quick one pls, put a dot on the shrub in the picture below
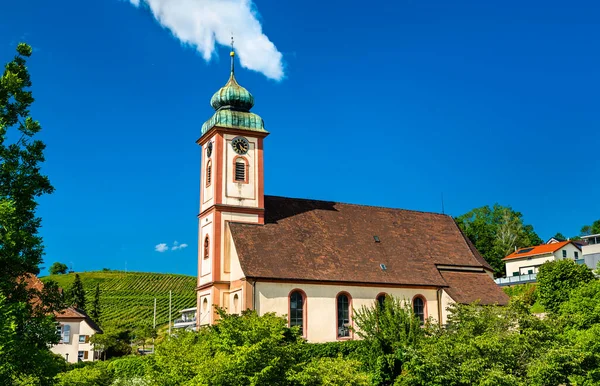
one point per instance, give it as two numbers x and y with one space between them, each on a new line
330 371
556 279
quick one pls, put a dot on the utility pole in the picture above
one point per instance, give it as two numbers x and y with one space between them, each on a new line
154 326
170 313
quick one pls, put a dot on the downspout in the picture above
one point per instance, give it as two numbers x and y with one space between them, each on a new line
439 297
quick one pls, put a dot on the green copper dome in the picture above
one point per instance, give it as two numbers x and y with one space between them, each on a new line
232 95
232 104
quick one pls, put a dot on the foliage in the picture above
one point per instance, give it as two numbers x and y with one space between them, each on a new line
526 293
496 231
58 268
25 329
143 334
127 298
345 348
112 343
95 311
556 279
559 236
330 371
481 346
96 375
77 294
388 331
593 229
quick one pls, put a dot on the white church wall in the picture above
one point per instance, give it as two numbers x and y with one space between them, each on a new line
321 313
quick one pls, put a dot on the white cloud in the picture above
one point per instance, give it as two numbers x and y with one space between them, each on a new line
162 247
177 246
202 23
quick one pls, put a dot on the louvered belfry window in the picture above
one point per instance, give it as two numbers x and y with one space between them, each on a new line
208 173
240 170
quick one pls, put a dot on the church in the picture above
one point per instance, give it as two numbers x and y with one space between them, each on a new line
315 261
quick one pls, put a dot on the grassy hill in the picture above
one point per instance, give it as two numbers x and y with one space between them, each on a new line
127 298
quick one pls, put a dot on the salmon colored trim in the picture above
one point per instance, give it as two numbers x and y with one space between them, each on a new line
233 209
345 283
246 170
219 154
260 179
350 317
217 246
304 310
412 303
226 130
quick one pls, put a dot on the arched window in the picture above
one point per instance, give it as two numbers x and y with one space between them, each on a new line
236 303
240 173
206 247
381 300
208 173
297 309
204 305
419 308
343 315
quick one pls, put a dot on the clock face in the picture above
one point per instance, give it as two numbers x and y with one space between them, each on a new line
240 145
209 149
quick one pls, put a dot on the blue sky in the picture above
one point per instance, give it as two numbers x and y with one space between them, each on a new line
382 103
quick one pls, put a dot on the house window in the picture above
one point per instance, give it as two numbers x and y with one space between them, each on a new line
80 355
208 173
297 309
516 274
576 255
419 308
530 271
82 339
343 316
66 334
59 331
240 170
206 246
381 300
564 253
236 303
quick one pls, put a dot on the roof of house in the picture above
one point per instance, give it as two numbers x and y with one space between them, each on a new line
539 250
33 282
75 313
481 288
309 240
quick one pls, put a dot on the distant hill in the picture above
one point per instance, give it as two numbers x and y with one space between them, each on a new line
127 298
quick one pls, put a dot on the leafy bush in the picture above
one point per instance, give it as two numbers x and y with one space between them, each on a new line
556 279
330 371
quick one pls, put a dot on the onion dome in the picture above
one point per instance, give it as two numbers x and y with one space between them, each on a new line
232 104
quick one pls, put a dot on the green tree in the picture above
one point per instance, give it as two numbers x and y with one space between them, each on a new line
593 229
559 236
77 293
389 331
556 279
112 343
58 269
496 231
96 311
143 333
331 372
25 356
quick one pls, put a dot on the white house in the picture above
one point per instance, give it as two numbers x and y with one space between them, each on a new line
187 320
526 261
591 250
75 329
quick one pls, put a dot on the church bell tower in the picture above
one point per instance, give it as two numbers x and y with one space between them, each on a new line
231 189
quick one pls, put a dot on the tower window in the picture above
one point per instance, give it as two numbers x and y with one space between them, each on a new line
240 170
208 173
206 246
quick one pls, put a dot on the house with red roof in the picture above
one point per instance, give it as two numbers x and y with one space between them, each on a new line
526 261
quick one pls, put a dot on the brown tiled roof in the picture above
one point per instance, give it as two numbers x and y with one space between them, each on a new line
328 241
74 313
468 287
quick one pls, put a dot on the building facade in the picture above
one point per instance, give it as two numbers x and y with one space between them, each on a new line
591 250
526 261
315 261
75 329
